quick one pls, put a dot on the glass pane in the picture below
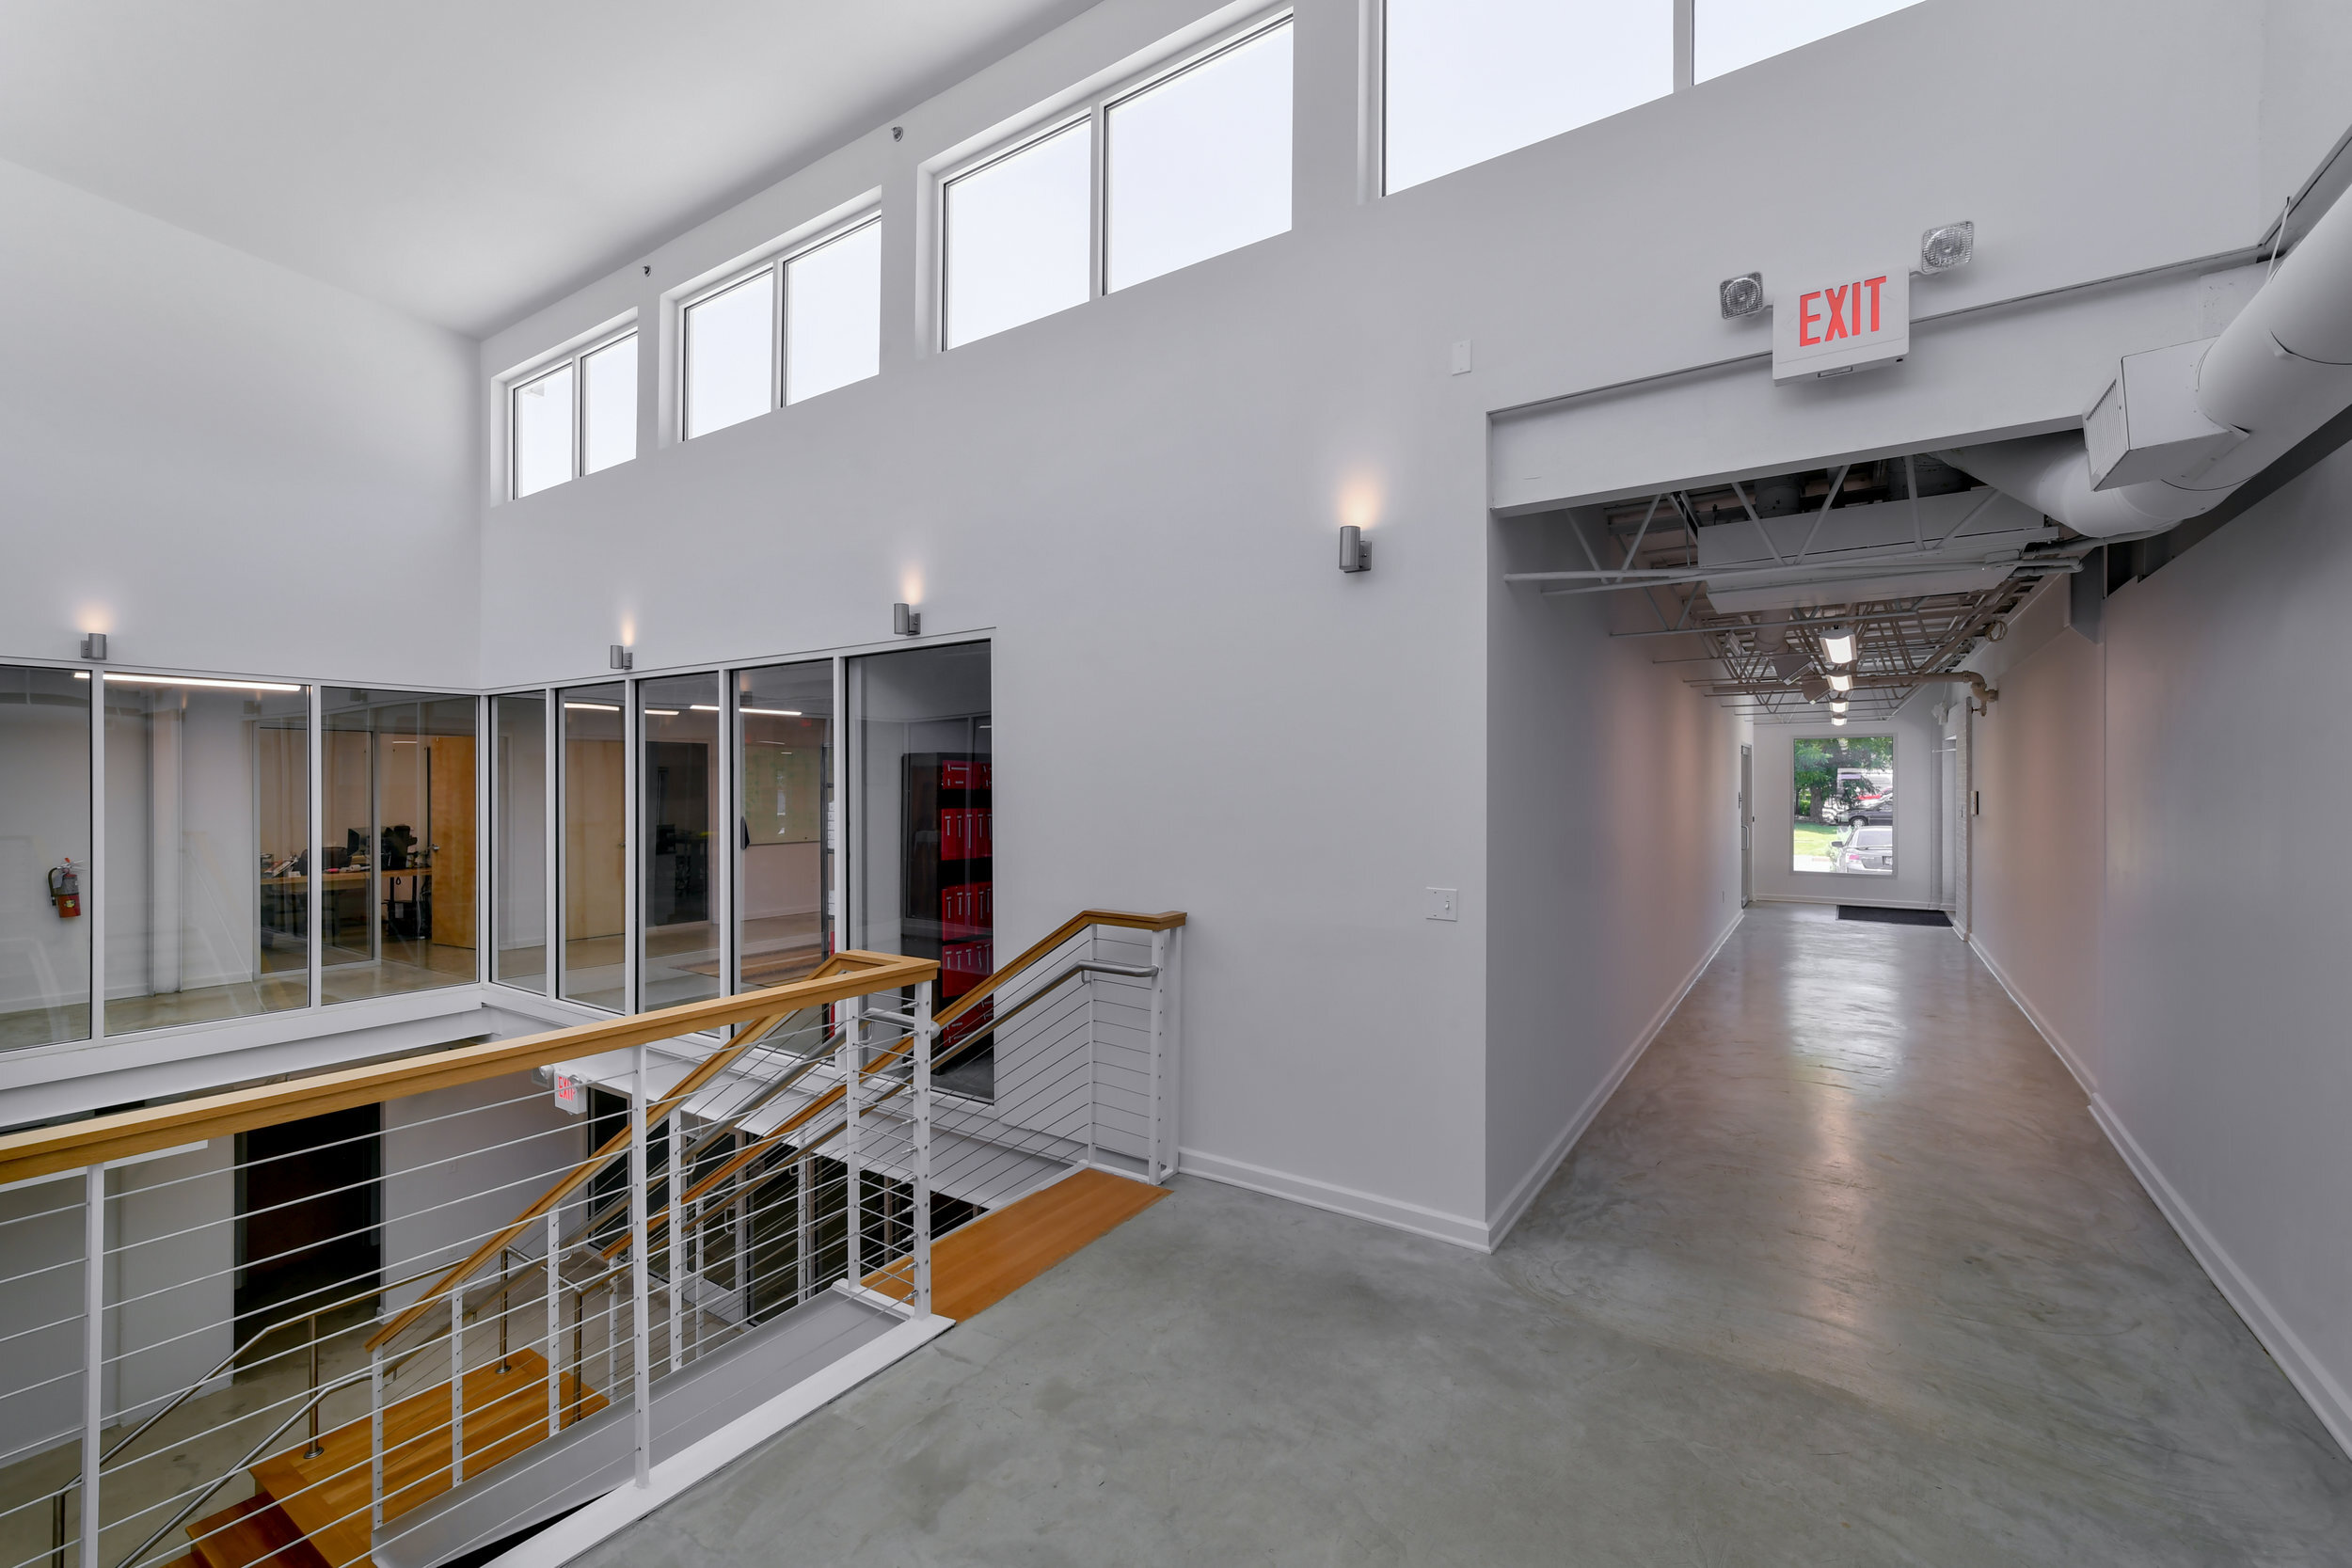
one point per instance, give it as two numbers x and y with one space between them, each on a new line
1018 237
208 834
832 314
611 434
1200 165
45 891
596 815
923 793
784 718
518 819
542 431
1844 789
730 340
1469 80
396 887
678 776
1728 34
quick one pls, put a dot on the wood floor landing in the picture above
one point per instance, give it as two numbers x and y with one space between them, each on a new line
326 1497
979 1265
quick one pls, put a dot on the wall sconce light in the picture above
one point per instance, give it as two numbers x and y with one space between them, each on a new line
94 645
906 621
1354 549
621 657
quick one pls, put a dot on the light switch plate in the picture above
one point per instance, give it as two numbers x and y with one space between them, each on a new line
1445 903
1462 358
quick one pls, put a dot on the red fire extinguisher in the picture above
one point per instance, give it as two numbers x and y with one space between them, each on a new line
64 891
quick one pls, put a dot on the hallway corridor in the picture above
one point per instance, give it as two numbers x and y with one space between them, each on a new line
1844 1275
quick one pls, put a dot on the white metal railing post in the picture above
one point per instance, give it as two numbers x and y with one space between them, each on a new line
1154 1167
804 1265
457 1385
852 1069
674 1254
93 1351
555 1315
640 1327
375 1439
926 1037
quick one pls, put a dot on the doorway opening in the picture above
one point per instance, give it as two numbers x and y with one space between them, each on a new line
309 1216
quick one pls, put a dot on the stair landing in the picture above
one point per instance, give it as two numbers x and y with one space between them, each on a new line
977 1265
326 1498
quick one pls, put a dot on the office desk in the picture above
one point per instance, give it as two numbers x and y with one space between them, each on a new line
286 900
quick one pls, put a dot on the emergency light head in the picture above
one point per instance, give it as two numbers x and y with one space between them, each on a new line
1740 296
1948 246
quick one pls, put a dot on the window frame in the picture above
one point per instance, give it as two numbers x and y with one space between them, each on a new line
577 357
777 260
1094 110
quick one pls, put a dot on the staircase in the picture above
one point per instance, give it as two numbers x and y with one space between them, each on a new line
312 1512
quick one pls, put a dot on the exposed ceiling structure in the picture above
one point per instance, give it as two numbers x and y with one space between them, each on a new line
1913 557
462 161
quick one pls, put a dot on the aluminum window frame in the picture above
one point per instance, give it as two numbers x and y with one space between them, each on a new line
1094 110
776 260
511 387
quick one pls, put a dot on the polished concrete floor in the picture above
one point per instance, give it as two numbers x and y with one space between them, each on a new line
1844 1275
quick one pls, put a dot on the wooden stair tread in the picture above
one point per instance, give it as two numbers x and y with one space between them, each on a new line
979 1264
327 1498
255 1530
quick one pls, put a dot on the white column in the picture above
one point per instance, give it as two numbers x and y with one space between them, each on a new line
640 1326
803 1265
852 1049
1152 1164
375 1439
93 1351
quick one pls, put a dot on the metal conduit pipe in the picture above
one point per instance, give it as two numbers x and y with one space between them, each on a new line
2277 373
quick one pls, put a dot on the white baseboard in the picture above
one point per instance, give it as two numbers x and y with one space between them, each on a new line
625 1505
2067 1056
2320 1390
1460 1230
1507 1213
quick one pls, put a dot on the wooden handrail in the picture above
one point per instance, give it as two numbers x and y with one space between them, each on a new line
1038 949
46 1151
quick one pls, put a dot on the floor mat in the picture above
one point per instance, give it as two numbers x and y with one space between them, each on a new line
1893 917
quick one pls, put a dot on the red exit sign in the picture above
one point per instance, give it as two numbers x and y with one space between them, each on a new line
1842 325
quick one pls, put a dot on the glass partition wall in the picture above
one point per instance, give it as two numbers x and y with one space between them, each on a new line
519 835
593 875
784 838
45 891
678 771
396 879
208 834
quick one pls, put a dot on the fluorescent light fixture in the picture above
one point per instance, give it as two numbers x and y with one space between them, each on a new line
1740 296
594 707
129 679
1840 680
772 712
659 712
1948 246
1838 646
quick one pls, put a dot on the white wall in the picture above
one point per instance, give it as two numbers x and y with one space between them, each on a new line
2037 845
1918 811
461 1163
1613 856
1140 495
224 465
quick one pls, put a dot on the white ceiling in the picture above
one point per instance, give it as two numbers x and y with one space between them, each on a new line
466 161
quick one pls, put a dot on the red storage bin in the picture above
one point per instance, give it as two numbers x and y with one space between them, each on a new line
963 965
955 775
955 833
980 835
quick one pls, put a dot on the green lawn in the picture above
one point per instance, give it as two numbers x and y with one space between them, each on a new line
1813 838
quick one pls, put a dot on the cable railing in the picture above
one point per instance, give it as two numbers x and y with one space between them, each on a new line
257 1346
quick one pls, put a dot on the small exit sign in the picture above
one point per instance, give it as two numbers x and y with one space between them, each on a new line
1842 325
567 1094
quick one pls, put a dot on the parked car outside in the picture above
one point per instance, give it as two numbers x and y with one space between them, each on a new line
1867 848
1876 807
